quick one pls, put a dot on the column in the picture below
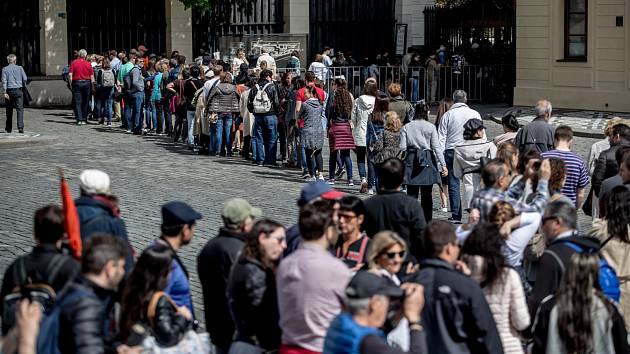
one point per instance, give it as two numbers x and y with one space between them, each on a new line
296 19
179 29
53 36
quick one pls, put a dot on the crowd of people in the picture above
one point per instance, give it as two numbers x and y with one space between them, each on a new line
353 275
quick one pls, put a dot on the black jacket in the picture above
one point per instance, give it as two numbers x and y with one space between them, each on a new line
456 316
38 267
213 266
272 92
86 324
606 166
396 211
253 303
550 272
537 135
541 327
97 217
169 326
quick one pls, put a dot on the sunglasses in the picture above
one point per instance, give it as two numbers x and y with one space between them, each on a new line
392 255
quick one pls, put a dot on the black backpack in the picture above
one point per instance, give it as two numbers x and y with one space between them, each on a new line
40 290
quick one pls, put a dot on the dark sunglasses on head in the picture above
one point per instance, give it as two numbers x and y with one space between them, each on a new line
392 255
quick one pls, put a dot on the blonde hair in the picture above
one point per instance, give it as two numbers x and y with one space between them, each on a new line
394 90
381 242
500 213
392 122
611 123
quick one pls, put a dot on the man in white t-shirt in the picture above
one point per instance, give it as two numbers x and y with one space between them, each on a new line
271 62
326 56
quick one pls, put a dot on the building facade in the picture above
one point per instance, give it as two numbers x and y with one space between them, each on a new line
43 33
576 53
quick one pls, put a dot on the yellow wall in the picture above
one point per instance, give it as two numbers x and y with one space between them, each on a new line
600 83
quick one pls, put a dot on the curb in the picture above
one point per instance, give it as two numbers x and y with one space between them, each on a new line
576 132
29 140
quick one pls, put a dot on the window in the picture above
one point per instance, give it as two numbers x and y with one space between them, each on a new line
575 29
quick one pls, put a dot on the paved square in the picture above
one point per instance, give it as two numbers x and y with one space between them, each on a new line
145 172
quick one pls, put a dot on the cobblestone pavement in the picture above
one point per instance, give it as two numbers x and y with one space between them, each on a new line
146 172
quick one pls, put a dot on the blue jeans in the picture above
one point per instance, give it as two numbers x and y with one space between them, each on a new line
266 139
453 185
104 103
221 129
149 116
372 175
137 99
361 151
157 116
335 157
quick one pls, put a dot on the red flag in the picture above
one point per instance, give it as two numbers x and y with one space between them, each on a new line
70 218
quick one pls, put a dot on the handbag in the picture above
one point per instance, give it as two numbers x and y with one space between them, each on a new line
26 96
190 343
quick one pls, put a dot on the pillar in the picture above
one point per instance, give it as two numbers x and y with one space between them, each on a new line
296 19
53 36
411 13
179 29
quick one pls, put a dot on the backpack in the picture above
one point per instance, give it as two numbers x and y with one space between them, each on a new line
128 79
198 103
262 102
107 78
65 73
608 280
42 291
48 338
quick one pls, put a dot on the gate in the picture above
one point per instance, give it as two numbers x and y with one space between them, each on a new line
120 24
363 27
483 31
265 17
19 33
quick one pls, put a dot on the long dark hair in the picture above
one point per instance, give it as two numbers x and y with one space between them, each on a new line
485 241
618 213
342 100
574 298
252 246
444 106
150 274
381 107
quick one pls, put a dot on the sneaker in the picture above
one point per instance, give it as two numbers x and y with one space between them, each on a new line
340 172
331 182
128 132
371 191
304 174
321 178
310 179
350 183
21 131
364 186
108 124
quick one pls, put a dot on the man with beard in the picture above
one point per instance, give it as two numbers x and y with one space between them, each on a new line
178 227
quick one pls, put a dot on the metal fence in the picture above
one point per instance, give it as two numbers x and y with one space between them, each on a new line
484 84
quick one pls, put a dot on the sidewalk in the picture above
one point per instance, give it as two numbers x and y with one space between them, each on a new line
587 124
14 140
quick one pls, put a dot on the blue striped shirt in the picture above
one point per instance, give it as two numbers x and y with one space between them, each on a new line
575 170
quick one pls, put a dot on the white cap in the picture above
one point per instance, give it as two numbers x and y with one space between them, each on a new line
94 182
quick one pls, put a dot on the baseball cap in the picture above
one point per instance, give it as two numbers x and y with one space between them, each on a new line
236 210
94 182
365 284
178 213
318 189
142 48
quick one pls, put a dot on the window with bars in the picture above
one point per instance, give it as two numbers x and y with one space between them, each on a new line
575 31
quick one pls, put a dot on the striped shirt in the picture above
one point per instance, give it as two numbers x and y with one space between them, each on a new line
575 169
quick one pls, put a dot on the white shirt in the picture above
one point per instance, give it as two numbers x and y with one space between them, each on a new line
319 69
207 86
451 129
327 61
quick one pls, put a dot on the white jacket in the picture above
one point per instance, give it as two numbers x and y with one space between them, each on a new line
248 122
469 153
361 111
451 129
